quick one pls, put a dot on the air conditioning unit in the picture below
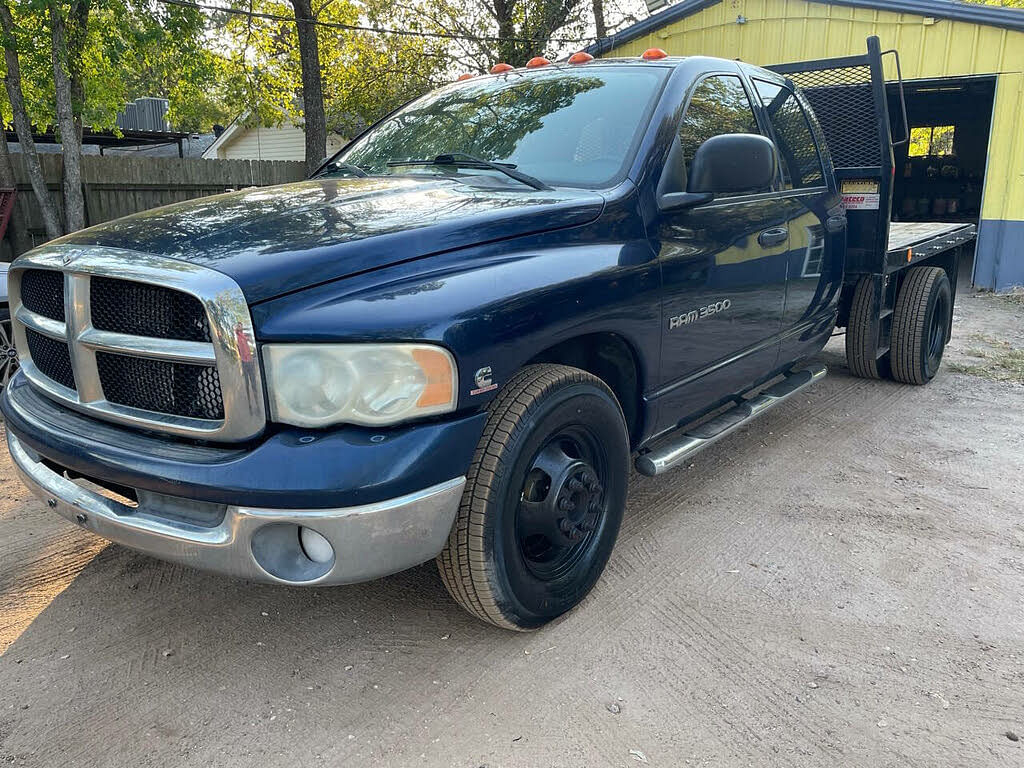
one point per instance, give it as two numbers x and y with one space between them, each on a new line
656 5
145 114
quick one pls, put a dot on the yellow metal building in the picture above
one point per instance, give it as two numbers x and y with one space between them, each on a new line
963 65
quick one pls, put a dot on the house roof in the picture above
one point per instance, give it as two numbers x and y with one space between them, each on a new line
989 15
210 153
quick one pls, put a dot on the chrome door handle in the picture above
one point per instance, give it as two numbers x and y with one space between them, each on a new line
773 236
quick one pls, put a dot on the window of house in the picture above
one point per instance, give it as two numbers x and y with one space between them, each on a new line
801 163
934 140
719 105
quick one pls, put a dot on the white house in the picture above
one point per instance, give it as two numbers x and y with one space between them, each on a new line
254 142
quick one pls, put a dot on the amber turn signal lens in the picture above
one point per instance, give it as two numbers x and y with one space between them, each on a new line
537 61
652 54
437 367
580 57
497 69
464 76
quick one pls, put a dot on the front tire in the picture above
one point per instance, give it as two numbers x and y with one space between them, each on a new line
920 326
543 501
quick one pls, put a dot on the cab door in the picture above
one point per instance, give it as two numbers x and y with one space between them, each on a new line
723 270
812 213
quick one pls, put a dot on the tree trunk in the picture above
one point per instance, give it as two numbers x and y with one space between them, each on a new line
599 26
312 91
508 50
74 200
18 237
12 80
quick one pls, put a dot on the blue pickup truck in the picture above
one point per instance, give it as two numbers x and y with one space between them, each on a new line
454 340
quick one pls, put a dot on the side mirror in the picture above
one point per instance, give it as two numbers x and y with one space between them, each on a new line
733 163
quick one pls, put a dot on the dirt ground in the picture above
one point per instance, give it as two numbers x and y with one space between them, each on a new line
841 583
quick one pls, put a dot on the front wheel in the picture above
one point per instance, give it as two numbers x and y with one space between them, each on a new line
543 501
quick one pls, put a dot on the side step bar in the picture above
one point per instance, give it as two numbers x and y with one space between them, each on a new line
664 458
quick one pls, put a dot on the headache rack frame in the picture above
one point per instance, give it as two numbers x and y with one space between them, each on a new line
850 98
848 94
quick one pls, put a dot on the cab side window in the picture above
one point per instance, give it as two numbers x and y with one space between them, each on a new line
719 105
801 161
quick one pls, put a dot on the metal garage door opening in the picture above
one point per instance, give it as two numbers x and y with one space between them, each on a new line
940 172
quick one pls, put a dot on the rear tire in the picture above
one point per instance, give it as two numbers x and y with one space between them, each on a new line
920 326
543 501
861 343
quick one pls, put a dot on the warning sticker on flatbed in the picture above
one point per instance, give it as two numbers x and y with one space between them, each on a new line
861 194
862 202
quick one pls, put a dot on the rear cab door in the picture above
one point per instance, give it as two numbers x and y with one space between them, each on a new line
810 209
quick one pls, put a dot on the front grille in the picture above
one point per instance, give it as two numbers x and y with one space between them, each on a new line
141 309
51 357
180 389
42 292
150 342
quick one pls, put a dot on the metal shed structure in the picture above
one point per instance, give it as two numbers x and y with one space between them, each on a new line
964 68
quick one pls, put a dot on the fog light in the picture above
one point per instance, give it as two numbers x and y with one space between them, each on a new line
317 548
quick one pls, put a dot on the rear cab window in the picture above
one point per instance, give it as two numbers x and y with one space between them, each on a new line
800 156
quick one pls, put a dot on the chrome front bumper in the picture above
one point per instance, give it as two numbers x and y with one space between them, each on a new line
262 544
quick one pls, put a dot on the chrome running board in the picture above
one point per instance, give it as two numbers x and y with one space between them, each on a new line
666 457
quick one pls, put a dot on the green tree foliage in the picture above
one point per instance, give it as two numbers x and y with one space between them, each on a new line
131 48
365 75
512 31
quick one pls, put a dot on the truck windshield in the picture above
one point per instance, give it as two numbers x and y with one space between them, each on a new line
570 128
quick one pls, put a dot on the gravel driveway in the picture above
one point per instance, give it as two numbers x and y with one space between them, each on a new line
841 583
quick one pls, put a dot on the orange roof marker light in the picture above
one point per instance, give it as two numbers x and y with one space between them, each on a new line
464 76
537 61
653 54
497 69
580 57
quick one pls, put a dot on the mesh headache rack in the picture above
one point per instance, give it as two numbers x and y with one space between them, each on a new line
849 98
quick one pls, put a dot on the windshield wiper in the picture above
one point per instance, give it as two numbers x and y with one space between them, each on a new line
336 166
462 160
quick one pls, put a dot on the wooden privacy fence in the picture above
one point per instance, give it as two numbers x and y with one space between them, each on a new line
118 186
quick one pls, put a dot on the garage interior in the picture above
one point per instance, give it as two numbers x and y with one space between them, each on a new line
940 173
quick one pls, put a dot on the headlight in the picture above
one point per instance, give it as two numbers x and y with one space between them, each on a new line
314 385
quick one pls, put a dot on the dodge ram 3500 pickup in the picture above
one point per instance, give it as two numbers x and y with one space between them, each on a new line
453 339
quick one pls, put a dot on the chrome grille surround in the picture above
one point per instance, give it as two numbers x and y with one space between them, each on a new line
226 309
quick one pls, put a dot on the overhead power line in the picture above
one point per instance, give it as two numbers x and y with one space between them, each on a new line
373 30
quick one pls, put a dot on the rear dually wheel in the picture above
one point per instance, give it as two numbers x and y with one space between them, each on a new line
920 326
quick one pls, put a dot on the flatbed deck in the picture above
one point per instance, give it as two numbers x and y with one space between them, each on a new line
927 236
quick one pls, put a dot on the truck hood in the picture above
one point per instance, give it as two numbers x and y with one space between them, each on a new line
273 240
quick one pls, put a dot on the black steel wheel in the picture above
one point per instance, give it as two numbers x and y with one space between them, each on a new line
8 354
562 502
543 500
921 322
